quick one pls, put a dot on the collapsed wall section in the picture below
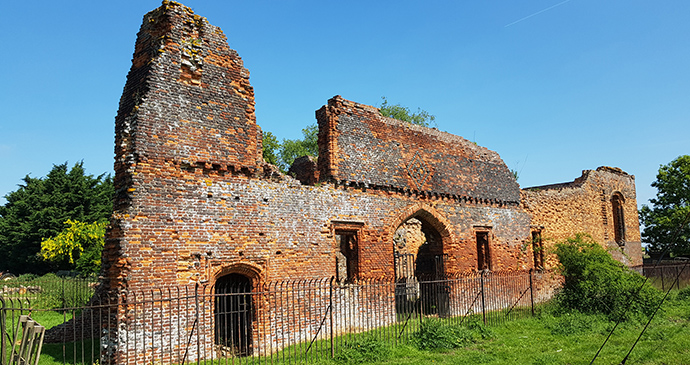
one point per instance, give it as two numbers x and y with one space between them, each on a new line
358 145
601 203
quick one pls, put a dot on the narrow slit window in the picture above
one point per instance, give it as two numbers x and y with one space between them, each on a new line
618 219
483 252
538 250
347 257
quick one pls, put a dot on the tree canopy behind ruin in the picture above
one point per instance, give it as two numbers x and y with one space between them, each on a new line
39 210
284 153
666 222
400 112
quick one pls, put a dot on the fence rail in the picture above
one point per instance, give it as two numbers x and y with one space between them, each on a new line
278 322
49 291
664 276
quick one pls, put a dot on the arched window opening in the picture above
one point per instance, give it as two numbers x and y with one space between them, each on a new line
233 314
618 218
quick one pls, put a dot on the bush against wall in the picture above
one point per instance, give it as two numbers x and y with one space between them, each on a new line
595 283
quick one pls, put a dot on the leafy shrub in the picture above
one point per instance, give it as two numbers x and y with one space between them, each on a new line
435 334
364 349
683 294
479 329
27 277
78 245
595 283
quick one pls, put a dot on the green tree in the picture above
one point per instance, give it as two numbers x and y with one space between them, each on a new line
283 154
39 208
78 246
271 146
667 218
397 111
291 149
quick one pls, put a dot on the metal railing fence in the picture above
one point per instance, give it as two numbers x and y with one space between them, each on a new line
663 276
294 321
50 291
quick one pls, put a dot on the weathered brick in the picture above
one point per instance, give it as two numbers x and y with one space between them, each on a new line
586 206
194 197
195 201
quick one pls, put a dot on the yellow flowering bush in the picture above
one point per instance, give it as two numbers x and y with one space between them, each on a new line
80 244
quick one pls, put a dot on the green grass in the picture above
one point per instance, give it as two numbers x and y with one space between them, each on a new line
51 291
545 339
47 319
572 339
86 352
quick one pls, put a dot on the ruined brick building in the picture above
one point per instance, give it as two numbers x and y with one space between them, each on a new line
196 203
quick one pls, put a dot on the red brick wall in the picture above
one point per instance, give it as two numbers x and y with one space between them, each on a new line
188 103
584 206
194 202
357 144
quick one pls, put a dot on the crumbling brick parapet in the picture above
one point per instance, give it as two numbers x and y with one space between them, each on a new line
357 144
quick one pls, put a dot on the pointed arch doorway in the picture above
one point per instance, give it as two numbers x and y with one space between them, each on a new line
420 266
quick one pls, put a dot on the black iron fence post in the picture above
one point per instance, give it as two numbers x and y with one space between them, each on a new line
419 307
62 286
481 283
196 320
330 303
3 333
531 290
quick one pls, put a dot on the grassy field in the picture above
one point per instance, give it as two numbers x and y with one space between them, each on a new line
547 339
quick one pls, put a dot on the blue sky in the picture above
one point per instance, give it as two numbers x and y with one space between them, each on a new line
555 87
